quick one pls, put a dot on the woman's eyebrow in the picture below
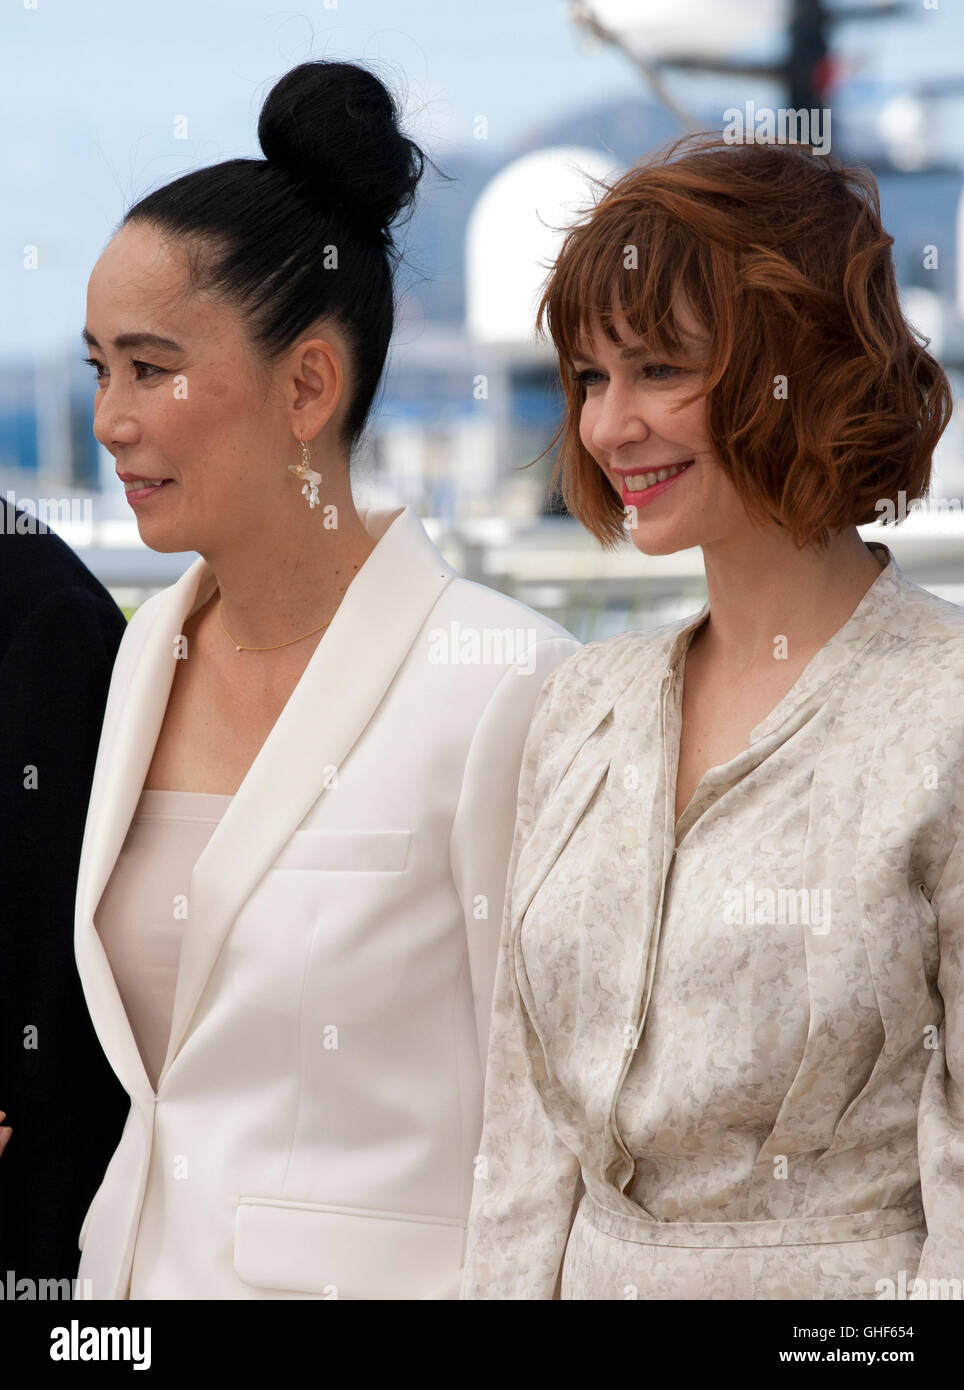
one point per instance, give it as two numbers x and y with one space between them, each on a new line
135 340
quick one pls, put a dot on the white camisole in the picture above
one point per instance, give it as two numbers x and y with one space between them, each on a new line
142 911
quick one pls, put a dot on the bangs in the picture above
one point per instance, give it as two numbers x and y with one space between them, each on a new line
635 266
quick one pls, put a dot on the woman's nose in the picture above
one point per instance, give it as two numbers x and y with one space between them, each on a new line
112 421
619 419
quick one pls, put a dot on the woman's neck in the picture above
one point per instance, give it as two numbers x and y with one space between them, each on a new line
278 587
767 590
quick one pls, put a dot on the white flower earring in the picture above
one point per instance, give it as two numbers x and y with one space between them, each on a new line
308 476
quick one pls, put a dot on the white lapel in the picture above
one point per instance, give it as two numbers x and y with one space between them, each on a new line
351 668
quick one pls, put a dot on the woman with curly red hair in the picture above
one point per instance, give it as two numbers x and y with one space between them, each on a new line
727 1048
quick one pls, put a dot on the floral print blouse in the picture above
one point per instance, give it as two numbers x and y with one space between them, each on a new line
708 1031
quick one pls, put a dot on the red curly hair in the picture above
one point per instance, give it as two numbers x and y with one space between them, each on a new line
781 255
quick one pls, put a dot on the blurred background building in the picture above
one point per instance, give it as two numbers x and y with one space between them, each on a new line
471 397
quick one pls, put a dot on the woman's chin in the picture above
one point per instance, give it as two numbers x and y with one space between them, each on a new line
654 543
163 539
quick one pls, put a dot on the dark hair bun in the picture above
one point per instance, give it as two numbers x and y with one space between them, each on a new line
333 128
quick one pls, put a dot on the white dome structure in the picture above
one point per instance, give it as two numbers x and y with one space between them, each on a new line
511 239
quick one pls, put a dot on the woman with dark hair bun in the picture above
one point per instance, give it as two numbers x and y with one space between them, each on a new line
727 1046
296 849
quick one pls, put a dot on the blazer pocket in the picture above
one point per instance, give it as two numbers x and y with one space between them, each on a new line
346 1252
346 851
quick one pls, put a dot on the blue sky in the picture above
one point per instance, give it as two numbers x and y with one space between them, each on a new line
90 91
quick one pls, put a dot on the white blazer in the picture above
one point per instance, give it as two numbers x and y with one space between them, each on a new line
319 1109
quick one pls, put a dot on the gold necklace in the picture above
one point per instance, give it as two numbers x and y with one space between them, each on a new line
239 648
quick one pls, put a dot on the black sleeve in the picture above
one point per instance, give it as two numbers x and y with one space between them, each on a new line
65 1104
